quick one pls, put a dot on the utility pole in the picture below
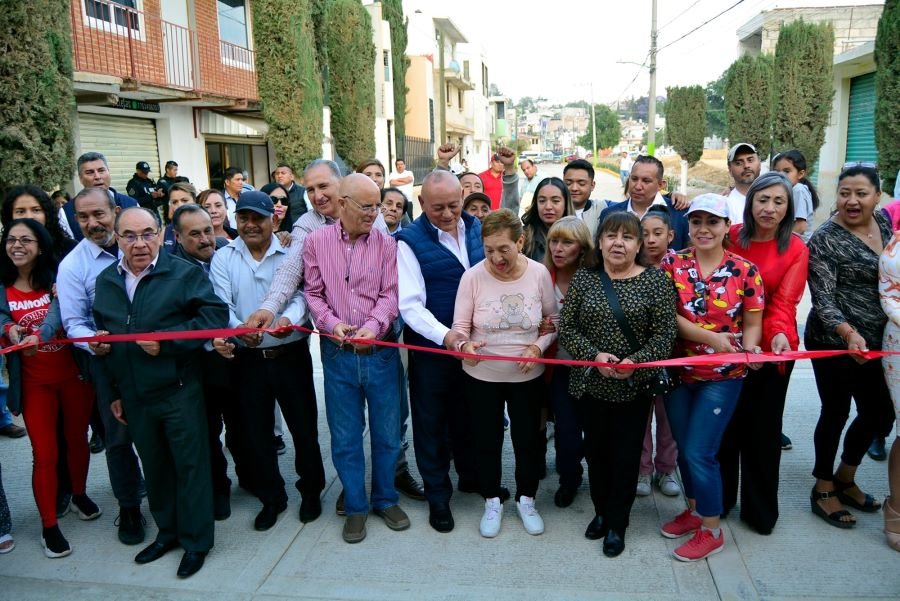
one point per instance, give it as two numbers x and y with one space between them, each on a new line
594 126
651 109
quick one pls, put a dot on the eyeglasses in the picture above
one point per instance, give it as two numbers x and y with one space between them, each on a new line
862 164
130 238
24 241
700 305
371 209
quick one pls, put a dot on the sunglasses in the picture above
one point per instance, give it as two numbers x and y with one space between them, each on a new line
860 164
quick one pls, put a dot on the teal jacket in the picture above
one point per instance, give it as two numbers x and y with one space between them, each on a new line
174 296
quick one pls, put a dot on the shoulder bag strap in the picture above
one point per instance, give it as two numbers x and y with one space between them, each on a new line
613 299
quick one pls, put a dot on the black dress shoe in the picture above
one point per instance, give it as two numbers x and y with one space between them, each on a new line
564 496
267 517
405 483
310 507
96 443
596 529
440 517
221 506
613 544
154 551
191 563
876 449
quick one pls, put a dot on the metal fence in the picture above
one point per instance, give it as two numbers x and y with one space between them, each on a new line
418 154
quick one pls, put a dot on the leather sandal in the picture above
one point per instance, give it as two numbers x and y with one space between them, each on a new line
891 516
869 506
833 518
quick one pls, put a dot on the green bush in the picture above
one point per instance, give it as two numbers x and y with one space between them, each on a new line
685 121
887 92
608 129
802 87
38 101
290 90
748 102
393 14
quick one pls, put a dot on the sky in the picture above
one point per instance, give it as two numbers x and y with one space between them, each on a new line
561 50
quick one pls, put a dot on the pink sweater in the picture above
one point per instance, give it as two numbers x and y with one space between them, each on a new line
506 315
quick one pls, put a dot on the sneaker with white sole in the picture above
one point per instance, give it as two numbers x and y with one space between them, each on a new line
703 544
643 485
668 485
531 519
490 521
84 508
684 523
54 543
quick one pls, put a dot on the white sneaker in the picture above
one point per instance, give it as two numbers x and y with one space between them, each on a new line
531 519
490 521
668 485
643 486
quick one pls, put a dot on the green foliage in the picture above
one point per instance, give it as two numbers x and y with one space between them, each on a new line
715 107
288 79
685 114
347 36
802 87
608 129
887 92
393 14
748 102
38 102
660 139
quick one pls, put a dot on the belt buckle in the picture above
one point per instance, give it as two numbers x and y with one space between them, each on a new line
269 353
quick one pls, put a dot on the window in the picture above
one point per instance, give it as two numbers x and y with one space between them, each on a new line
459 97
448 95
387 65
431 119
466 70
234 37
115 16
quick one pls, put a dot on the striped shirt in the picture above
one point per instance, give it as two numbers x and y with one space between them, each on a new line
351 282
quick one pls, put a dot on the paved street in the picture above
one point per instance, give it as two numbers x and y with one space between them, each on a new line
803 559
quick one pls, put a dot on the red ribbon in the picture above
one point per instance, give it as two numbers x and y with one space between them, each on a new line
712 359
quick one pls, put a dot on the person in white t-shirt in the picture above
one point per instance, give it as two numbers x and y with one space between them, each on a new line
403 179
744 166
625 165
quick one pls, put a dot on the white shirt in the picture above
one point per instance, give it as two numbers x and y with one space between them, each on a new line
75 285
131 279
64 223
657 200
230 206
407 189
736 202
411 284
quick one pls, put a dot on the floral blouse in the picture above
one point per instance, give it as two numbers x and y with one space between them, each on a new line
716 302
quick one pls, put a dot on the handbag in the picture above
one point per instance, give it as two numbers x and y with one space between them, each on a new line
661 384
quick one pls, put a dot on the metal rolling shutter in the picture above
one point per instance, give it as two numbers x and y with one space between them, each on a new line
123 140
861 119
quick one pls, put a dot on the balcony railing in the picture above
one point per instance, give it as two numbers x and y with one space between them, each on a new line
141 48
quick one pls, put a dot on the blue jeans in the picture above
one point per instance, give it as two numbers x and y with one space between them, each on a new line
351 383
6 417
698 414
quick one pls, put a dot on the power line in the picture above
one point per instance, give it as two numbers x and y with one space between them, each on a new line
708 21
679 15
643 64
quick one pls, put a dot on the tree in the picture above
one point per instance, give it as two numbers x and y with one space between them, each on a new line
347 37
887 92
393 14
38 101
748 102
608 129
287 74
715 107
685 111
802 87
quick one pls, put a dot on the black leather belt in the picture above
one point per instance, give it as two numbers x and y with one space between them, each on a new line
368 350
273 352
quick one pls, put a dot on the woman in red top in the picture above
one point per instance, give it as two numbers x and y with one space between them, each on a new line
751 446
45 381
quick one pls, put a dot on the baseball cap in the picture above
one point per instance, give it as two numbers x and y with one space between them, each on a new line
714 204
143 166
734 149
258 202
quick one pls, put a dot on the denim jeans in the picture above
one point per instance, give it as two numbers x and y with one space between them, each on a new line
6 417
698 414
351 383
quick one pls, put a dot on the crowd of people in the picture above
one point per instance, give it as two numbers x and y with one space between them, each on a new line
575 278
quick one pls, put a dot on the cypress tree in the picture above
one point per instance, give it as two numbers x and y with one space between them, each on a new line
748 102
38 101
802 87
393 13
887 93
287 74
685 121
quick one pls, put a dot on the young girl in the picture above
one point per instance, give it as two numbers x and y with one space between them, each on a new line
658 235
806 200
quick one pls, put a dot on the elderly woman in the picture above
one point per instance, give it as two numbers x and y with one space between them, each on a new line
618 312
551 203
569 247
500 304
720 302
846 315
752 443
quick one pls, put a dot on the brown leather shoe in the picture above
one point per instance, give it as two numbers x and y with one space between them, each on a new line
394 517
12 431
355 528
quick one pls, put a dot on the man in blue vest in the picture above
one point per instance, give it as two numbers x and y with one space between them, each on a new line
432 254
